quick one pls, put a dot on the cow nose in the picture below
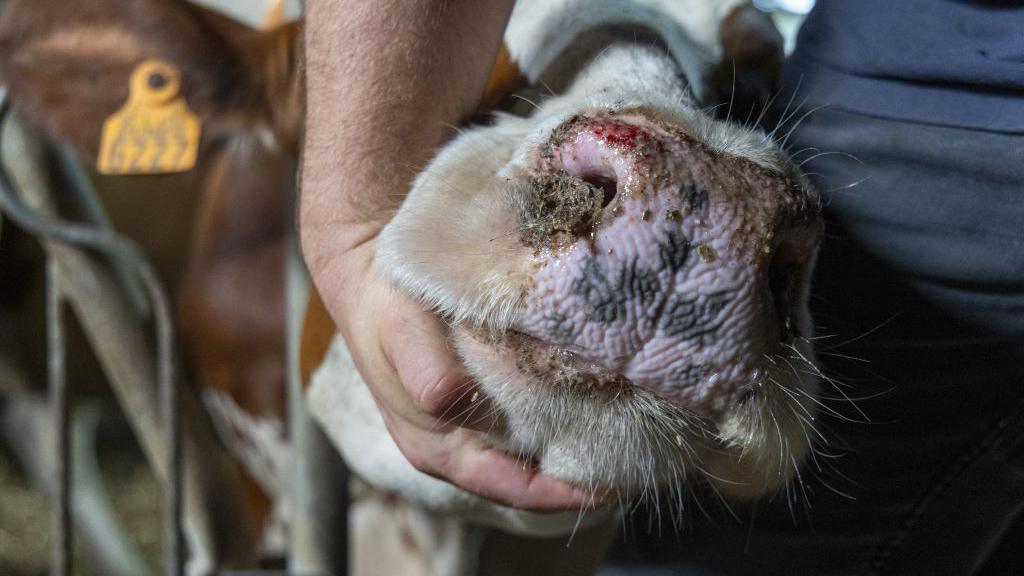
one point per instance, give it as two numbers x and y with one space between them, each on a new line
610 155
607 184
690 271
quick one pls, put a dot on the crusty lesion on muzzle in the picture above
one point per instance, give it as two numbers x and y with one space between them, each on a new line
555 210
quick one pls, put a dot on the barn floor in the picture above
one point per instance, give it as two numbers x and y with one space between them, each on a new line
25 513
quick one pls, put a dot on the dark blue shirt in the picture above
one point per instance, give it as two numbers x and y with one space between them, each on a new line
948 62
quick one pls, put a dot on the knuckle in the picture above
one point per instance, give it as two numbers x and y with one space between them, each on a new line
437 395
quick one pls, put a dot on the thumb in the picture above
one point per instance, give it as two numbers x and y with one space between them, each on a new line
416 343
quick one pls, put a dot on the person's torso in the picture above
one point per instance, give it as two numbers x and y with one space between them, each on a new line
948 62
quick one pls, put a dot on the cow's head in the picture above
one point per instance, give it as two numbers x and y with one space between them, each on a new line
67 67
627 279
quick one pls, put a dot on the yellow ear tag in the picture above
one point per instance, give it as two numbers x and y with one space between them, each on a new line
154 132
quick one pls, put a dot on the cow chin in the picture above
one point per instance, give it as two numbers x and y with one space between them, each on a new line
599 431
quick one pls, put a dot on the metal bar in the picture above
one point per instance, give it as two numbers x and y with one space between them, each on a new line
169 411
86 200
318 542
109 242
26 423
58 395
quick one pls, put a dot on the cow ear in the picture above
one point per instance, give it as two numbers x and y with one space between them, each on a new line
68 67
748 74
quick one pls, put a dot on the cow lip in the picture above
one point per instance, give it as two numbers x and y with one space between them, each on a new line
576 359
562 364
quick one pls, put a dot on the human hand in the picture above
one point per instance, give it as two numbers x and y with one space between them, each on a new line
377 103
429 404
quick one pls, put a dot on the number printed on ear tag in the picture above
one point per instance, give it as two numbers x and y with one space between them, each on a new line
154 132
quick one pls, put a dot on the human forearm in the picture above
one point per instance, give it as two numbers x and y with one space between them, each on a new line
384 88
386 82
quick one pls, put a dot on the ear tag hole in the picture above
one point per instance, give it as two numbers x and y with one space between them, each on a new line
157 80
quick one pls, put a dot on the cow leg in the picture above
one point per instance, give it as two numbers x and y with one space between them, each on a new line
389 535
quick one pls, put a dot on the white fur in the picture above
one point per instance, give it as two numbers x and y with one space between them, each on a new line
264 451
447 213
540 30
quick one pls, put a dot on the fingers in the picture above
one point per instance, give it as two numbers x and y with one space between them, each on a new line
428 401
416 344
464 460
495 475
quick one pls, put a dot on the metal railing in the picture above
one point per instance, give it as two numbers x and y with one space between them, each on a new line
317 546
105 241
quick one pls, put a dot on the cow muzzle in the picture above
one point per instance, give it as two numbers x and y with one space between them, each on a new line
659 263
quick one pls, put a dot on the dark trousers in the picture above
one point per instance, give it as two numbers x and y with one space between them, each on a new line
918 300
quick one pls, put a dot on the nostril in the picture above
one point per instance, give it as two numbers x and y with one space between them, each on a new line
594 154
607 185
